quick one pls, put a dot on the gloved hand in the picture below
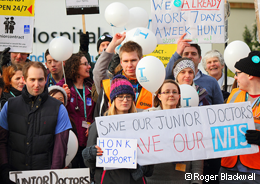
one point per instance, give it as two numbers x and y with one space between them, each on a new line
139 172
115 61
84 42
253 137
5 57
5 169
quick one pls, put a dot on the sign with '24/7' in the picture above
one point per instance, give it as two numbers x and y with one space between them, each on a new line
202 20
184 134
16 20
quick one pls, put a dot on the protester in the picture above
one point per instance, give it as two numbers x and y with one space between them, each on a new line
33 127
122 98
184 73
168 97
102 43
213 63
55 69
130 53
248 79
7 58
193 52
80 105
14 83
60 94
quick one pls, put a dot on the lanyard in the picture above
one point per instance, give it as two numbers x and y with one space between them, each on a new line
12 94
83 99
255 103
50 81
136 91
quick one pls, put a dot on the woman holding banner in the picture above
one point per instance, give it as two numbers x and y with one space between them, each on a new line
122 101
168 97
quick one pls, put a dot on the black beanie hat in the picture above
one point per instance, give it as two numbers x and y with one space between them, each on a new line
250 65
103 38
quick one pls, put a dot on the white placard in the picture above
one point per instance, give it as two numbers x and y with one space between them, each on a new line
184 134
66 176
17 22
117 153
203 21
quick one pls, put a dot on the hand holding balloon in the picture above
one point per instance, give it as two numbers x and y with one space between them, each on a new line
117 40
67 90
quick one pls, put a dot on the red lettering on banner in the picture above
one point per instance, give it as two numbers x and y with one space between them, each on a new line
188 143
183 143
156 142
148 144
199 139
201 5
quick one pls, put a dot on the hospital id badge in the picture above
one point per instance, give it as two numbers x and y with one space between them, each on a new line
85 124
180 167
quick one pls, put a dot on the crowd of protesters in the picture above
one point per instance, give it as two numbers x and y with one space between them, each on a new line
41 104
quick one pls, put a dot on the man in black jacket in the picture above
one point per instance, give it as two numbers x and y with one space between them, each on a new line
34 127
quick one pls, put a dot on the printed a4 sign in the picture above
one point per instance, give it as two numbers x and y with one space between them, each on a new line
17 22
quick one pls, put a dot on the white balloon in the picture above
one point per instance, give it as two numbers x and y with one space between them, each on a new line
72 147
150 73
117 14
60 48
189 96
235 51
138 17
144 37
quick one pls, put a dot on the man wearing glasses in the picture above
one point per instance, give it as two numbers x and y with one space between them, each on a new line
248 79
7 58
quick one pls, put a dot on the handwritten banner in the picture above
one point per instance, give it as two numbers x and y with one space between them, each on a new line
17 18
184 134
64 176
117 153
203 21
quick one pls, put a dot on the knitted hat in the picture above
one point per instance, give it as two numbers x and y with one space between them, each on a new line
120 85
61 90
250 65
103 38
182 65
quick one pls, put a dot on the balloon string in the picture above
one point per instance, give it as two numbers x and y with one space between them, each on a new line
113 31
64 73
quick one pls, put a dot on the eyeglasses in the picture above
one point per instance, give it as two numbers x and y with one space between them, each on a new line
236 73
122 97
22 54
169 92
86 63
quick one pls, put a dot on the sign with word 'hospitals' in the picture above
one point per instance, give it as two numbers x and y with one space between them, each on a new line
202 20
51 176
184 134
16 25
117 153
